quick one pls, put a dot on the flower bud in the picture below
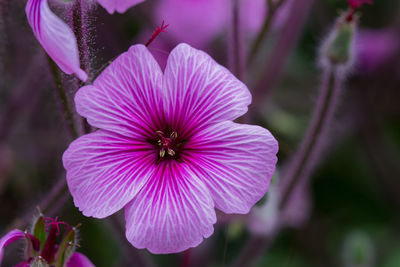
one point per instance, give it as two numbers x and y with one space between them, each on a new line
337 49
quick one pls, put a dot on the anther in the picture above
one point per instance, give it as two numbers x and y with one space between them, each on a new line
170 152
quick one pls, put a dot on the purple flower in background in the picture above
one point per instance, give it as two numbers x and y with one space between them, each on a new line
197 22
373 48
57 39
167 150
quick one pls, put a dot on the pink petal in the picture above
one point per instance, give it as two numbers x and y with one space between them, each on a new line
235 161
126 97
55 37
200 91
119 5
105 171
172 213
9 238
79 260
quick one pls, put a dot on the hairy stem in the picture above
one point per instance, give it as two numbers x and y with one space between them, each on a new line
300 167
61 93
285 44
80 32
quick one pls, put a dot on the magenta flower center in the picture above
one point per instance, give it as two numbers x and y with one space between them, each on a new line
168 144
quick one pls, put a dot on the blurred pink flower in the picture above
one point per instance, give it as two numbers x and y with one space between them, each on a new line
76 259
118 5
198 22
167 150
374 48
57 39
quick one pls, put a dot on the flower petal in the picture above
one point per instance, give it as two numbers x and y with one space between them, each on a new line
79 260
55 37
119 5
200 91
126 97
235 161
106 170
173 212
9 238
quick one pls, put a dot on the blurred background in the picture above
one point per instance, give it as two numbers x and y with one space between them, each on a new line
348 213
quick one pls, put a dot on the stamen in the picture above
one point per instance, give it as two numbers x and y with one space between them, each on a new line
174 135
162 153
171 152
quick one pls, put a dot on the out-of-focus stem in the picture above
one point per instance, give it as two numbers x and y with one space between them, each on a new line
186 258
299 10
302 162
254 247
80 31
18 102
132 256
55 198
272 7
300 166
236 43
61 93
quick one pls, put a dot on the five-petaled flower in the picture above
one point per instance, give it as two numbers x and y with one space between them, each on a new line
57 39
167 149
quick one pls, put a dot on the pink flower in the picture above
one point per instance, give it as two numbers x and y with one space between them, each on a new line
76 260
167 150
57 39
